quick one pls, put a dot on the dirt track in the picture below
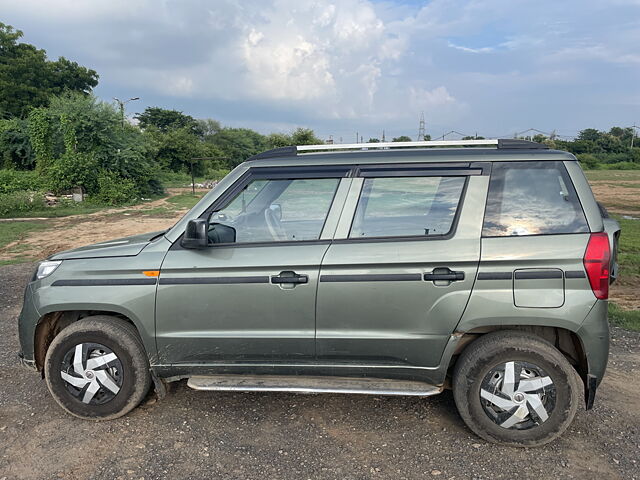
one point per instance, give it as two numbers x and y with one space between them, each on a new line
239 436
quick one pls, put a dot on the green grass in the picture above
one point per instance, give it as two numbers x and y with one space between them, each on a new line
16 260
612 175
55 212
629 248
185 200
628 319
12 231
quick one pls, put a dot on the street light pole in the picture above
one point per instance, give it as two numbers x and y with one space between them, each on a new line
122 104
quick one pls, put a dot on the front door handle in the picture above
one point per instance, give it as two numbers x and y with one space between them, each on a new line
289 277
443 274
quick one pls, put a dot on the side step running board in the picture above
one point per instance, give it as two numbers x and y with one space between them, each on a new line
312 384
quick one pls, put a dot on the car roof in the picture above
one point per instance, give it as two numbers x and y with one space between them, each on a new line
374 154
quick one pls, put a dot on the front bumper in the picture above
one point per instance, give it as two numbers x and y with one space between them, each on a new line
27 322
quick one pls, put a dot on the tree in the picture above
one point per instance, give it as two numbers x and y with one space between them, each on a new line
176 149
277 140
238 144
402 138
15 146
77 138
589 135
166 120
374 140
208 127
305 136
28 78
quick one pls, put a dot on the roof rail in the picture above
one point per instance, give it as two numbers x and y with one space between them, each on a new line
498 143
388 145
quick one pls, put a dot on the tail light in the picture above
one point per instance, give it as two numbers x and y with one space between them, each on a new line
597 261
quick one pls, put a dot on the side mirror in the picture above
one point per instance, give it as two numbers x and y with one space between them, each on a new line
276 208
221 233
195 236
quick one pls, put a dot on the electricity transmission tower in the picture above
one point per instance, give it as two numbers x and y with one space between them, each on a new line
422 130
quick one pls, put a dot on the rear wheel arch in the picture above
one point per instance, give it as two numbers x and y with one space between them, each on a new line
566 341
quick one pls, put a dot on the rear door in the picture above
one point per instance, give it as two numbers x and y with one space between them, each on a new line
398 275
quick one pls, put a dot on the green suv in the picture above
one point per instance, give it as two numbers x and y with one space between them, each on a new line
481 266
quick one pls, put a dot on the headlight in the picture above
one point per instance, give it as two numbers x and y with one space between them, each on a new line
46 268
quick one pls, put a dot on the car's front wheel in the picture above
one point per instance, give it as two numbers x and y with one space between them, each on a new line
97 368
515 388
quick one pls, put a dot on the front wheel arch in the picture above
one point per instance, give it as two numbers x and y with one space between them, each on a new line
51 324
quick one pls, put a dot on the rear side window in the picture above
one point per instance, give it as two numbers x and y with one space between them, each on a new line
407 206
532 198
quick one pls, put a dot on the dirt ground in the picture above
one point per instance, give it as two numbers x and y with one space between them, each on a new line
286 436
622 197
78 230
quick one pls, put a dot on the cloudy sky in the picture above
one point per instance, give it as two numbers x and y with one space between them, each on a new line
489 66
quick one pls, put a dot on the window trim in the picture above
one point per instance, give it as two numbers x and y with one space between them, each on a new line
423 169
411 238
566 177
337 172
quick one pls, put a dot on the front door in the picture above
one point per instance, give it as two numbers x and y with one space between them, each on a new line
396 280
250 296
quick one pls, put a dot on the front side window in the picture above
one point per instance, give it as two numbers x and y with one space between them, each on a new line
532 198
274 211
407 206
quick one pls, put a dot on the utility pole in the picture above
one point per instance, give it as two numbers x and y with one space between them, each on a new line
422 131
122 103
383 139
357 137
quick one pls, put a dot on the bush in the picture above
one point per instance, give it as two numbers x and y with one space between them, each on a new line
71 170
115 190
19 202
16 180
621 166
588 161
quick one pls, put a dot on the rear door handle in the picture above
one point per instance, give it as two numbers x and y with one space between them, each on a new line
444 274
289 277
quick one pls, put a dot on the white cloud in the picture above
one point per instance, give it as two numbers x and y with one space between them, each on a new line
471 50
324 62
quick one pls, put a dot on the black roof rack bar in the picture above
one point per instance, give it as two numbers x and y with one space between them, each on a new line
506 144
515 143
276 152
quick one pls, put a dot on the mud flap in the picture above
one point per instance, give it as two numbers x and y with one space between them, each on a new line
591 384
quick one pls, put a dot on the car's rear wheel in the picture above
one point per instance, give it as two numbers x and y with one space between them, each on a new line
515 388
97 368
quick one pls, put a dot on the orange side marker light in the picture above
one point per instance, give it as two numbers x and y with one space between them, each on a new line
151 273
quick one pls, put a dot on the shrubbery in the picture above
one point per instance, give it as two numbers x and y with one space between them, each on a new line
17 180
115 190
20 202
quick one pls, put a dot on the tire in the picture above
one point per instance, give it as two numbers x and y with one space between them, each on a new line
483 369
90 390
